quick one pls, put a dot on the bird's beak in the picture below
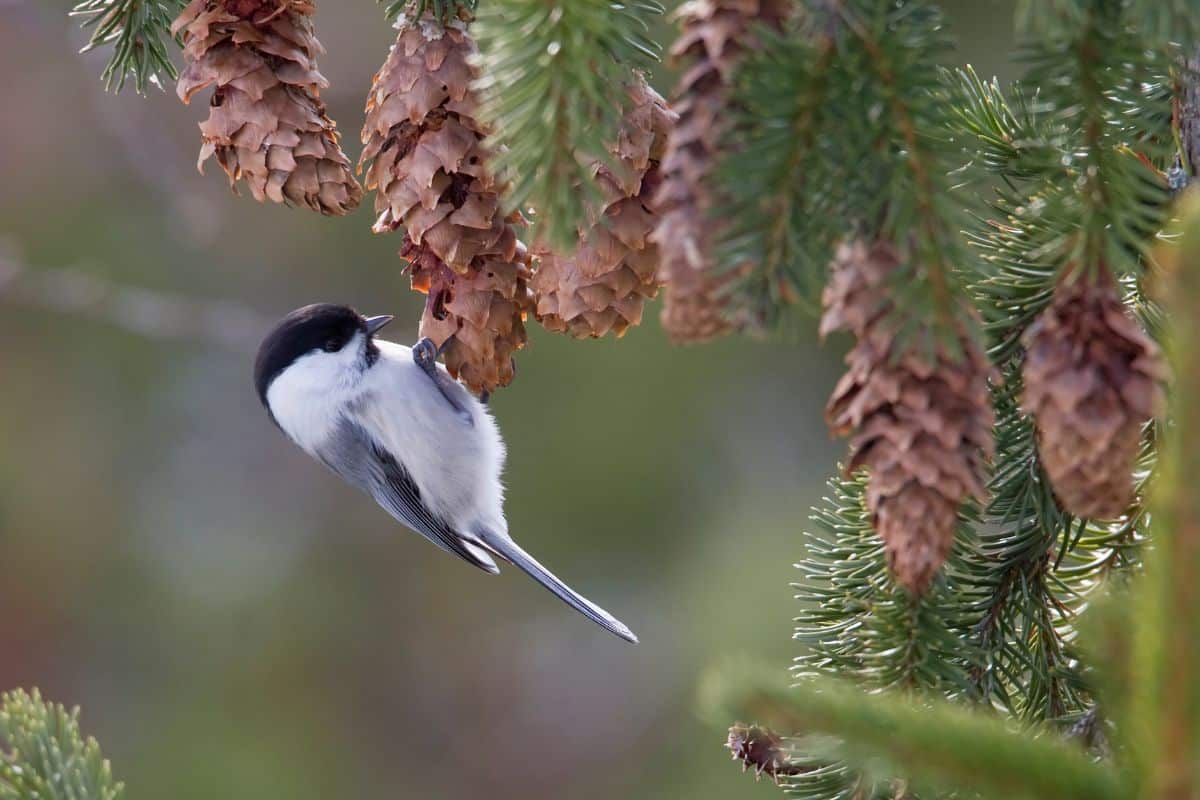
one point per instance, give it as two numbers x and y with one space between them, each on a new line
375 323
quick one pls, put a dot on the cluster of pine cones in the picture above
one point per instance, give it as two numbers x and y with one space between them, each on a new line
426 159
919 417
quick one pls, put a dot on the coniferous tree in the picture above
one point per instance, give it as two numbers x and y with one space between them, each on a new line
969 586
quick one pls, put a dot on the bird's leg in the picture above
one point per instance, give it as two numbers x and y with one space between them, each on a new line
425 354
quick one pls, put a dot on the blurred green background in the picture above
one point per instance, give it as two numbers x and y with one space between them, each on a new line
239 624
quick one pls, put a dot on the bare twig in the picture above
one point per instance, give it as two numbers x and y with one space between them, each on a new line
154 314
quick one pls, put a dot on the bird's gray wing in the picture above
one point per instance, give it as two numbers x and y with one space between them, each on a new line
355 455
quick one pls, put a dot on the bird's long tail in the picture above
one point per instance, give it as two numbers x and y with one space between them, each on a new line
510 551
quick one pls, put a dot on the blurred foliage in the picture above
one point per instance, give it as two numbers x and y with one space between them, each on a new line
43 756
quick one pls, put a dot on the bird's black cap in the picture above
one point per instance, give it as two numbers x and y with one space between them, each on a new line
304 330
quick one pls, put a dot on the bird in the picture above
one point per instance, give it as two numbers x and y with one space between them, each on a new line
391 421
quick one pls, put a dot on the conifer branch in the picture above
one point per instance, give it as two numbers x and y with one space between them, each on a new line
779 228
899 50
855 620
928 741
139 32
442 10
1165 711
43 756
552 87
1163 21
1109 93
1038 569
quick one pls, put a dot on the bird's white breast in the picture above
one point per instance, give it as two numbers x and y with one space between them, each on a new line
308 398
456 465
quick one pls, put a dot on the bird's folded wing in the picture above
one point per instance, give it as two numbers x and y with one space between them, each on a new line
355 455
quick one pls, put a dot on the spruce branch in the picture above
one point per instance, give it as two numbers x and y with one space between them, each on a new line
780 215
442 10
1004 131
552 89
899 49
1165 724
1166 21
1102 85
139 32
856 621
1037 569
43 755
932 742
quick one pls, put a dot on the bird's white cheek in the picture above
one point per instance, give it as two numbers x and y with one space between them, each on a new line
309 396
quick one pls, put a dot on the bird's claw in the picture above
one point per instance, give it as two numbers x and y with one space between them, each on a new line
425 354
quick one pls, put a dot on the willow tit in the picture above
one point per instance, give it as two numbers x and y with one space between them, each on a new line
391 421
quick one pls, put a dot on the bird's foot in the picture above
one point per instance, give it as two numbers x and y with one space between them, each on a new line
425 354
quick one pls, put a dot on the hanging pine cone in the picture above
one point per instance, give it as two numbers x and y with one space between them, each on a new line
484 310
920 422
425 159
603 286
266 124
714 35
1092 378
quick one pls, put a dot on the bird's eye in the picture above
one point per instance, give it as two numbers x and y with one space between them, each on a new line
333 345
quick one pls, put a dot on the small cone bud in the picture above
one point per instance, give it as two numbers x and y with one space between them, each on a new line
920 422
266 123
603 286
714 34
1093 378
425 158
762 750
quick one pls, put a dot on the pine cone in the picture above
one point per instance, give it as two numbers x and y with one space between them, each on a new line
266 124
424 157
714 35
484 310
603 286
921 422
1092 378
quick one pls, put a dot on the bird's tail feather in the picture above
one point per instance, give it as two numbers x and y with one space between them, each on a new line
510 551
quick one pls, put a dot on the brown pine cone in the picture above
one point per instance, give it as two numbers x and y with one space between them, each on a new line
266 123
920 422
424 156
714 35
603 286
1093 378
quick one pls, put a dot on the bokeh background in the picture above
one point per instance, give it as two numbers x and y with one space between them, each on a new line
236 622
